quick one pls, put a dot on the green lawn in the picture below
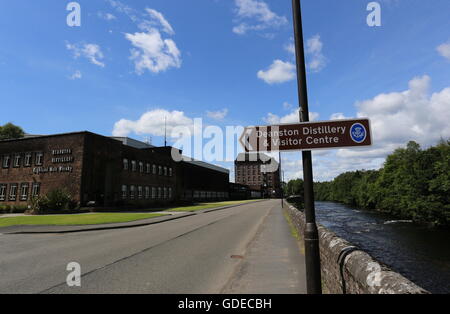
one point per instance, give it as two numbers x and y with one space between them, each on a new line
72 220
104 218
208 206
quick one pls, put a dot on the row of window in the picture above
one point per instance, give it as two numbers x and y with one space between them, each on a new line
18 191
149 169
146 192
253 178
209 194
22 159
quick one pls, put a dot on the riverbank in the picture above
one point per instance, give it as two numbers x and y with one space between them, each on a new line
347 269
416 251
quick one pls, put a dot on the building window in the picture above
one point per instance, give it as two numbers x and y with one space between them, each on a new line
159 193
147 192
24 191
170 193
170 172
132 192
16 161
6 160
3 192
35 189
27 160
125 164
154 169
133 165
141 167
124 192
13 192
140 192
153 192
148 168
39 159
160 171
165 171
165 193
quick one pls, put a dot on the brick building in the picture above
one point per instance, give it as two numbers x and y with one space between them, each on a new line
259 172
106 171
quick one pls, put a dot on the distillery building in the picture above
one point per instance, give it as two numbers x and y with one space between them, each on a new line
103 171
259 172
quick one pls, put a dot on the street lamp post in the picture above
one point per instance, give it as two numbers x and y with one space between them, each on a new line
312 253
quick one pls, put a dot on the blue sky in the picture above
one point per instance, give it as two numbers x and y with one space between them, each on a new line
228 62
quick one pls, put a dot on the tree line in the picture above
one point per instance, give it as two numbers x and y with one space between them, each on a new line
413 184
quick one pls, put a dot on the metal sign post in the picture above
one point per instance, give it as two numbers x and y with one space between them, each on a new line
307 136
312 253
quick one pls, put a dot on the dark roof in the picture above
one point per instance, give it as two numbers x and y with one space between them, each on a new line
33 136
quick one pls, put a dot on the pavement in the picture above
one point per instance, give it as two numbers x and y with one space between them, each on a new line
241 249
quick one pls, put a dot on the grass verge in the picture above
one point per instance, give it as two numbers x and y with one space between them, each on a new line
74 220
203 206
294 232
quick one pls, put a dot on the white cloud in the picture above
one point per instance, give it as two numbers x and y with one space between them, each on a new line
339 116
278 72
217 115
444 50
290 47
257 16
317 60
293 117
106 16
76 76
396 118
413 114
152 52
285 71
92 52
125 9
287 106
153 123
157 17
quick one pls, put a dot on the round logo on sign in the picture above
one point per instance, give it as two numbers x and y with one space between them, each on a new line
358 133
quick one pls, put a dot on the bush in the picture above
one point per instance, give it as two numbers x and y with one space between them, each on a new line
18 209
58 199
38 204
5 209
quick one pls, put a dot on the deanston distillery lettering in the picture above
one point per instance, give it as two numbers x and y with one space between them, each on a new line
60 158
307 136
327 138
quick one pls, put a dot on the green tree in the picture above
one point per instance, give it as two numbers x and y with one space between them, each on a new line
413 184
11 131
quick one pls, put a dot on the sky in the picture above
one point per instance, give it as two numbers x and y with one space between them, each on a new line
131 65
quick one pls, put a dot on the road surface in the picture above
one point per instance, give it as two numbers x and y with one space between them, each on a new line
188 255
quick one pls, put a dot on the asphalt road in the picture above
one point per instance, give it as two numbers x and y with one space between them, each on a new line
188 255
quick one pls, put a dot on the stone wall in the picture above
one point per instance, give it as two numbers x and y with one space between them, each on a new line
348 270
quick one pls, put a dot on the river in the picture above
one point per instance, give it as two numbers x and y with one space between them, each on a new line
419 253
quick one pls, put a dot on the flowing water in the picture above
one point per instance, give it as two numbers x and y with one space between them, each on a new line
419 253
